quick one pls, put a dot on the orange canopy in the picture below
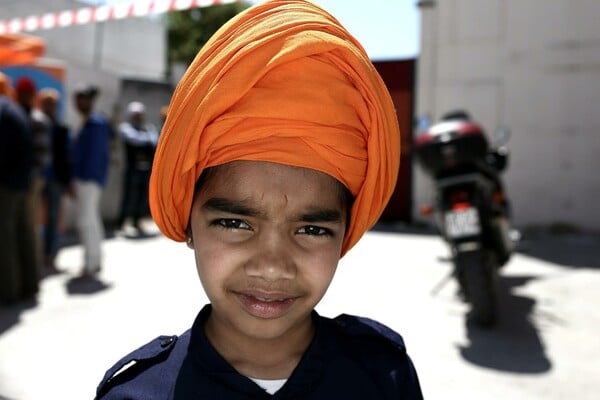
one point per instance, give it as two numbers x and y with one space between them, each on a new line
16 49
281 82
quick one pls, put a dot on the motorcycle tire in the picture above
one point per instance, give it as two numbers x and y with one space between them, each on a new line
478 278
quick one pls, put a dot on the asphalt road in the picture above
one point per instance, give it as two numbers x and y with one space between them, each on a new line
545 347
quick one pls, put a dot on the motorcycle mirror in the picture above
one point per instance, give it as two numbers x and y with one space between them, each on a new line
501 136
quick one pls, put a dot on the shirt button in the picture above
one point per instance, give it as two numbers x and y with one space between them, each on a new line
167 341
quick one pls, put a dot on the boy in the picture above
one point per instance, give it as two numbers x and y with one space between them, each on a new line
280 149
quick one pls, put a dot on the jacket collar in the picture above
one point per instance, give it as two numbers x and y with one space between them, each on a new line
209 362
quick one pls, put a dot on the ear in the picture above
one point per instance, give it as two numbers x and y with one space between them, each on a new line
190 242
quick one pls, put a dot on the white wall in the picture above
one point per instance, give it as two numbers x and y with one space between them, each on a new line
533 66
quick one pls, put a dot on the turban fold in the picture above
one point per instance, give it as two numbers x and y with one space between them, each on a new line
282 82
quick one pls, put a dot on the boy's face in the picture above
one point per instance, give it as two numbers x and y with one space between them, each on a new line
267 239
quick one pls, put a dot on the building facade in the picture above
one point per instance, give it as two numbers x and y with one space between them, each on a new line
532 67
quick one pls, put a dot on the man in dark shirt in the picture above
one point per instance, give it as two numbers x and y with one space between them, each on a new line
19 274
57 174
139 138
39 125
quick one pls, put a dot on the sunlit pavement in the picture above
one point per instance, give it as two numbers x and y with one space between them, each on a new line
546 346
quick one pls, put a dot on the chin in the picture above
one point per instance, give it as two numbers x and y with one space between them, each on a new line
271 329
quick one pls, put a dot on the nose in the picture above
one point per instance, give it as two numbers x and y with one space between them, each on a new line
272 258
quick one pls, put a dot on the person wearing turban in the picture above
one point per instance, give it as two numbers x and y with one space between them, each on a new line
19 274
279 151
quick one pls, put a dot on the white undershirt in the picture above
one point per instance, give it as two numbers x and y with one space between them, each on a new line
270 385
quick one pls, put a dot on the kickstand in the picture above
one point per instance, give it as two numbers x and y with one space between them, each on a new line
442 283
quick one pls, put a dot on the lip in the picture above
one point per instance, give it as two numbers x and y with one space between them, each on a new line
266 305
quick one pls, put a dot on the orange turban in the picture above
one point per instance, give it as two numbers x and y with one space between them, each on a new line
282 82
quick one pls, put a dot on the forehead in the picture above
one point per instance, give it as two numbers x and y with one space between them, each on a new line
49 101
251 177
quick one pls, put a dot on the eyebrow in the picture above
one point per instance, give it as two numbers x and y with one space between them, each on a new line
321 216
240 208
231 207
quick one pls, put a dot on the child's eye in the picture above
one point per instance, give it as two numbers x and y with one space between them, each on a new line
231 223
315 230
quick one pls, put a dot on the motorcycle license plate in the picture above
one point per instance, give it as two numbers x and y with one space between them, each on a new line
461 223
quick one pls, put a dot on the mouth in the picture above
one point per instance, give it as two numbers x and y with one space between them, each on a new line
266 305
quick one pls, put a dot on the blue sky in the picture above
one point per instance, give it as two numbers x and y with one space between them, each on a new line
388 29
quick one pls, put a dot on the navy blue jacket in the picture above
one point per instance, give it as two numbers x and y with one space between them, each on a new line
91 150
349 358
60 168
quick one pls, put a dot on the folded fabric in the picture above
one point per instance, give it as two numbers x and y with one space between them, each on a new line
282 82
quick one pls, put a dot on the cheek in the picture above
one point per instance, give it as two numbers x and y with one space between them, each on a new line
212 263
321 270
321 264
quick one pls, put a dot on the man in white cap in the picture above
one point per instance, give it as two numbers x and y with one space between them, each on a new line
140 140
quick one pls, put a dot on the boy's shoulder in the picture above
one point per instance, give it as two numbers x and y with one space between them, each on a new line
154 367
362 327
363 350
365 359
361 335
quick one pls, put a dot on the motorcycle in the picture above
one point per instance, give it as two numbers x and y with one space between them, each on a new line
471 208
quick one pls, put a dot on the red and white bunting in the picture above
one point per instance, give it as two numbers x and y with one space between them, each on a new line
88 15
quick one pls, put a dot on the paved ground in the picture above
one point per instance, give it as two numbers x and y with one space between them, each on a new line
546 346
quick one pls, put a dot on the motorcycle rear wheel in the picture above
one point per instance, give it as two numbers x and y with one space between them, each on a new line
478 278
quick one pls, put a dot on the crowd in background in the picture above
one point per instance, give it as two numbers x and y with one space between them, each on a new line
42 160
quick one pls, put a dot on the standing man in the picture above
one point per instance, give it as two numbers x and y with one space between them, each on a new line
19 276
90 170
140 140
39 126
57 174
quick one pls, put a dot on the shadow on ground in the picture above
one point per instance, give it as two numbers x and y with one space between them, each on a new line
514 344
139 235
404 228
574 250
10 315
86 285
569 250
71 238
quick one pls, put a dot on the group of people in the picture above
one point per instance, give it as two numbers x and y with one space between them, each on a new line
41 161
35 170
